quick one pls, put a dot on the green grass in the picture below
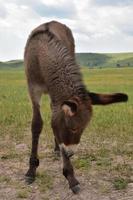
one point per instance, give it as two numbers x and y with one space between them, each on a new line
82 163
120 183
115 120
22 194
44 181
109 122
5 179
14 105
108 137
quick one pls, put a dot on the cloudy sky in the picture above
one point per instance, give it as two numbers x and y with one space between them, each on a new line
97 25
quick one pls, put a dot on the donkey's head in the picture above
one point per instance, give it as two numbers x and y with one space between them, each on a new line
71 119
75 115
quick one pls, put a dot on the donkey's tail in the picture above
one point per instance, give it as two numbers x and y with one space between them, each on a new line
104 99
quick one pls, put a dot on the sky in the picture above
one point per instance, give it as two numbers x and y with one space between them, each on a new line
98 25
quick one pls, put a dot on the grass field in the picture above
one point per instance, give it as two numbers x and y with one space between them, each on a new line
106 150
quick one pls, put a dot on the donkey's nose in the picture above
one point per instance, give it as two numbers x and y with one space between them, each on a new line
69 153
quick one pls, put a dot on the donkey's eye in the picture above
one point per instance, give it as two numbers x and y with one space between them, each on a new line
74 130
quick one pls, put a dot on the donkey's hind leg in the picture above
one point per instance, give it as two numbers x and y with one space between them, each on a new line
36 127
55 132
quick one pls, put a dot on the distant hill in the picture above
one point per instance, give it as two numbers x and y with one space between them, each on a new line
105 60
11 64
89 60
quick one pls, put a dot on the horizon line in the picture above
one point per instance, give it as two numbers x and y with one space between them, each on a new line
121 52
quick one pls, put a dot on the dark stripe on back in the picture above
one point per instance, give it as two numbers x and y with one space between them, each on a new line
44 31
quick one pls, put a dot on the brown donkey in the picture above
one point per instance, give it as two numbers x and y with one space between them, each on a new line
51 68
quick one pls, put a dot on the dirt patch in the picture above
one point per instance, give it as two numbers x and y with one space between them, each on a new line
94 184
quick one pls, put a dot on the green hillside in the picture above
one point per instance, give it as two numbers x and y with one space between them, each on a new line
88 59
105 60
11 64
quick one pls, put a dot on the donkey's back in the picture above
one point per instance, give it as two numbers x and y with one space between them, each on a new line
41 57
61 31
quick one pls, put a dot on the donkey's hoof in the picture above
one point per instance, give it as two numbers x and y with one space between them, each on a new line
75 189
29 180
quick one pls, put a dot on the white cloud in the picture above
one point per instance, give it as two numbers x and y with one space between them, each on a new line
104 29
112 2
53 2
98 26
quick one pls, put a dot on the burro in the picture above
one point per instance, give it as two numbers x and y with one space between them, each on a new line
51 68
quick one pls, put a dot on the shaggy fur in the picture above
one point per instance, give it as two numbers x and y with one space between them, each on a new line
51 68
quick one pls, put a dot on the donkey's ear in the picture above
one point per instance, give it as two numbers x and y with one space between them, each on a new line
69 108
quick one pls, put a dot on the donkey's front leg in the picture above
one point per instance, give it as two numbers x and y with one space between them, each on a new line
36 128
55 132
56 148
68 170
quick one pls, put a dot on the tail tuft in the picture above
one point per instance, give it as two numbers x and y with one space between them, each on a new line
104 99
121 97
